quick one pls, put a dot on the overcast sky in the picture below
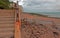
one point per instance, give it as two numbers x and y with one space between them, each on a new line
41 5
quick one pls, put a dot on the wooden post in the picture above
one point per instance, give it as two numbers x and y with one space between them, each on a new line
17 22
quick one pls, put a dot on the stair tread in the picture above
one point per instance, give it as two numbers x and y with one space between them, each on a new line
6 22
7 19
6 34
6 13
6 26
6 29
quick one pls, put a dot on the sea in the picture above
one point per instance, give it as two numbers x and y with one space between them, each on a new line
51 14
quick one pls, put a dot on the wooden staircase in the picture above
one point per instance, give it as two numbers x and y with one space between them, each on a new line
7 20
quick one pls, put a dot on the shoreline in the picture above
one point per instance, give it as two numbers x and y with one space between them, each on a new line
43 15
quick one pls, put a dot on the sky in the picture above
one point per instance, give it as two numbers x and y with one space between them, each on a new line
40 5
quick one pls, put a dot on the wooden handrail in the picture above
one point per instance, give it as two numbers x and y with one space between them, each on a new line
17 22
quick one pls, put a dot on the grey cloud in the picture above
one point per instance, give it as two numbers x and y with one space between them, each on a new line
41 4
35 3
52 5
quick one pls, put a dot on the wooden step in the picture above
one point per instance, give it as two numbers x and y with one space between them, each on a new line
7 22
6 25
7 14
2 34
7 36
7 19
6 29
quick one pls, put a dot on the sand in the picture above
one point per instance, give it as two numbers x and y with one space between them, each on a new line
34 26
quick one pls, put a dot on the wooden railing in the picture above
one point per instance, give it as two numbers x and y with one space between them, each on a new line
17 22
